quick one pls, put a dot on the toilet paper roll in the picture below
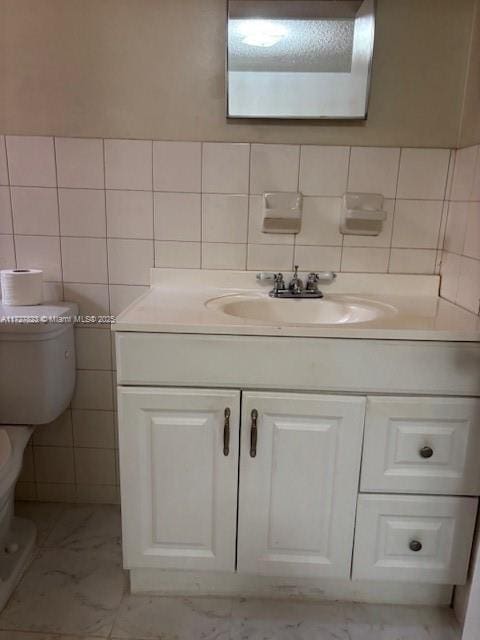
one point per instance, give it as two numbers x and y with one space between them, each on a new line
21 287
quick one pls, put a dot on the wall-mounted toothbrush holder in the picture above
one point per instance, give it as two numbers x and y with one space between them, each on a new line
362 214
282 212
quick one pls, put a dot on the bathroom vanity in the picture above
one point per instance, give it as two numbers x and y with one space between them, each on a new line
330 456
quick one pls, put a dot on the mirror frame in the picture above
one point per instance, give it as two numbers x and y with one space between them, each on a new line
361 67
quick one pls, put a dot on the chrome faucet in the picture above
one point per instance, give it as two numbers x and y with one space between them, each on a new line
296 287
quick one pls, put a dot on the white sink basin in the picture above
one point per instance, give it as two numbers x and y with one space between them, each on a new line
333 309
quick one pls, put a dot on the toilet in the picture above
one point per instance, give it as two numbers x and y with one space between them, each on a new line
37 379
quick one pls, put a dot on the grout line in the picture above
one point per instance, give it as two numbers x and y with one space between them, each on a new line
55 161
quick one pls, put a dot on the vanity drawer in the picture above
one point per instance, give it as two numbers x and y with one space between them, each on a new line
422 445
414 538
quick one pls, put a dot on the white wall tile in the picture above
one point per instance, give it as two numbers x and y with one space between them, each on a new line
7 252
82 212
35 211
27 473
468 294
98 493
274 167
177 166
5 211
365 259
225 167
93 390
456 226
129 214
55 492
316 258
93 349
423 173
413 261
255 233
3 162
57 433
93 429
84 260
122 295
464 173
80 163
180 255
270 257
384 238
130 261
450 272
95 466
219 255
374 170
323 170
54 464
39 252
417 224
128 164
472 235
92 299
320 222
31 161
178 216
224 218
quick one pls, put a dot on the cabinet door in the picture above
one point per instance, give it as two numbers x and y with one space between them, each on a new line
298 493
178 479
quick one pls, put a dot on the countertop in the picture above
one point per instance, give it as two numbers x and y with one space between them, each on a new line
177 303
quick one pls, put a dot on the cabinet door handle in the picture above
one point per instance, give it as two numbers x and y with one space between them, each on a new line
253 434
226 432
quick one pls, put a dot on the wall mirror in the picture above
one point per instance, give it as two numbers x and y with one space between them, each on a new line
299 58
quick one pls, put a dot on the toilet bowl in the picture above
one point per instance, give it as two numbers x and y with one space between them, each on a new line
37 379
13 440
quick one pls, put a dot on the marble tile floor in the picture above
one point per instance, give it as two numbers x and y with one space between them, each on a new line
75 589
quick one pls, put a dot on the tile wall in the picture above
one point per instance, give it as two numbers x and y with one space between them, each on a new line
460 268
96 214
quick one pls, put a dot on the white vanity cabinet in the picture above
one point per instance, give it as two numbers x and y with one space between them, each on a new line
299 470
339 480
179 466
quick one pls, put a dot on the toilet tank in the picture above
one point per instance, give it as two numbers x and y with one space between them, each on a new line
37 362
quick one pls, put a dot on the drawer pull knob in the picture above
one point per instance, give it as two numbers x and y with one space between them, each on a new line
226 432
426 452
253 434
415 545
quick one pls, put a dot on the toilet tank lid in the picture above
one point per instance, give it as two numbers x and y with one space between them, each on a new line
37 319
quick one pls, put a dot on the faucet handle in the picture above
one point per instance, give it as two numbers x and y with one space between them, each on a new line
266 276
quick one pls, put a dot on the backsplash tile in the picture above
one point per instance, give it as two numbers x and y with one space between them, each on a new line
423 173
80 163
323 170
35 211
460 265
225 167
5 211
128 165
97 214
274 167
31 161
82 212
177 166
